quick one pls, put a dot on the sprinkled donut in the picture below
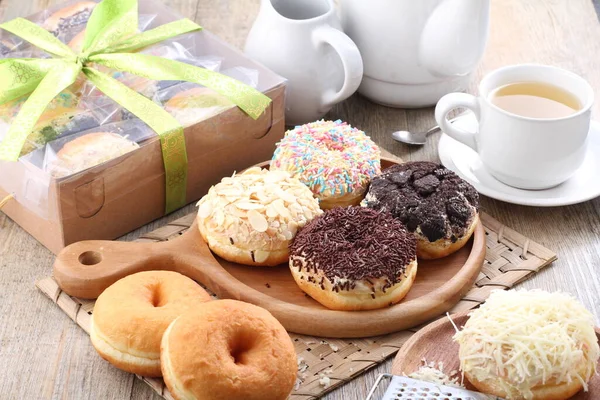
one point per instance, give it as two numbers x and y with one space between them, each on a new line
354 258
335 160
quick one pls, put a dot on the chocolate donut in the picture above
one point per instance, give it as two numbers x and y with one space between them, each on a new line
432 201
354 258
69 20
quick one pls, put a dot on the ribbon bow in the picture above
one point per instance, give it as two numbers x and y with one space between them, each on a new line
110 38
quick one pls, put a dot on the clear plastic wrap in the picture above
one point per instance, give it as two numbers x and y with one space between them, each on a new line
81 151
60 208
190 103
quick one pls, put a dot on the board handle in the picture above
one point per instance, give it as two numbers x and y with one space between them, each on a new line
85 269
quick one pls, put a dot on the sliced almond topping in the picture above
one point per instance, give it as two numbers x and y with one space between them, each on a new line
246 205
205 209
293 228
252 171
288 235
286 196
276 176
271 211
219 217
260 256
257 221
281 209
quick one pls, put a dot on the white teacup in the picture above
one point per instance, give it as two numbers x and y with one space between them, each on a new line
524 152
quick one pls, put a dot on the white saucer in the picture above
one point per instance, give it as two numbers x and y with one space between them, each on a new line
582 186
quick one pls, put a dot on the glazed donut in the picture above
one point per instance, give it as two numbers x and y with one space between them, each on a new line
132 314
69 18
335 160
432 201
197 104
88 151
354 258
530 345
251 218
226 350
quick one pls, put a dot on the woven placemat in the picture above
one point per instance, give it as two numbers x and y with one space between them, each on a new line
324 364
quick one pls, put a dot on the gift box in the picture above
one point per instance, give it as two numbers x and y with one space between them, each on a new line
60 201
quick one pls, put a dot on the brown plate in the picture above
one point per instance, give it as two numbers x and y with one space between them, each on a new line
434 343
86 268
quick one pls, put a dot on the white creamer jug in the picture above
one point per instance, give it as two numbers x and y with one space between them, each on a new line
415 51
302 40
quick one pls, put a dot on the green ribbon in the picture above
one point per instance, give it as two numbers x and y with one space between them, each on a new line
110 38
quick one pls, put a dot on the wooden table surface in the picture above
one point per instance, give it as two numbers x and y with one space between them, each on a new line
45 355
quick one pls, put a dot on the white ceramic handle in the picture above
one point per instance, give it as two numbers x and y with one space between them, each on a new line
448 103
351 61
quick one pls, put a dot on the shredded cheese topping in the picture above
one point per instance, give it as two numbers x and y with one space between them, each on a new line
523 339
430 372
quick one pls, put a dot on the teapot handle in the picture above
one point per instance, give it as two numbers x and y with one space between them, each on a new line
351 61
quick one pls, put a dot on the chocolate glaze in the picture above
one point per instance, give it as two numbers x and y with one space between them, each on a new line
426 195
79 18
354 244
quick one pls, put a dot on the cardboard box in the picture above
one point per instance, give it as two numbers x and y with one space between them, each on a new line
114 198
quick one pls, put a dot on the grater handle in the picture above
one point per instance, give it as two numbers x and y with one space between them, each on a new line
380 378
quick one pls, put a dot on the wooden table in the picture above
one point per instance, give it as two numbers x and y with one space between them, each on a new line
45 355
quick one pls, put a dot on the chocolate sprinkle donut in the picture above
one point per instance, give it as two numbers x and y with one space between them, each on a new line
426 195
353 244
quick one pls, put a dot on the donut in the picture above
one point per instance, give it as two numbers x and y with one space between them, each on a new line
432 201
132 314
227 350
335 160
69 18
531 345
58 118
354 258
197 104
88 151
251 218
76 44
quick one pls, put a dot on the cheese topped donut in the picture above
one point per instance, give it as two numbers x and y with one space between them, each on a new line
251 218
335 160
432 201
530 345
354 258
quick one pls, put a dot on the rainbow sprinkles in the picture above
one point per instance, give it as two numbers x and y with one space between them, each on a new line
352 159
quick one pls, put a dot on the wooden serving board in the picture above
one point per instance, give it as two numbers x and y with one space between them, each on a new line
434 344
86 268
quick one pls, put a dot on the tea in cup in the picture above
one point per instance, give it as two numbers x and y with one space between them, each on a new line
533 124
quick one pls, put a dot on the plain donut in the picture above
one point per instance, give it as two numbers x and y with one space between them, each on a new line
227 350
132 314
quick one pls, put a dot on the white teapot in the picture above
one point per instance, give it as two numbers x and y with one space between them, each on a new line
415 51
302 40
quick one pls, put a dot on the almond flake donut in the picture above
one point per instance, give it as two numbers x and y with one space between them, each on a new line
335 160
228 350
252 217
132 314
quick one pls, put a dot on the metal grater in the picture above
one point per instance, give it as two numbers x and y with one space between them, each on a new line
401 388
